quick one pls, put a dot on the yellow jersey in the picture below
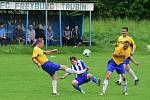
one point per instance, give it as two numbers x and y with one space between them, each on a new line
121 39
38 53
120 50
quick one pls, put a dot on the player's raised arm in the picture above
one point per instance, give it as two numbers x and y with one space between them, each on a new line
51 51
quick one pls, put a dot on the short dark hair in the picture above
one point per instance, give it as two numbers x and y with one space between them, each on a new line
73 58
125 28
39 40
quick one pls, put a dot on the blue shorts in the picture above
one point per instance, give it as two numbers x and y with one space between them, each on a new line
82 78
127 61
111 66
50 67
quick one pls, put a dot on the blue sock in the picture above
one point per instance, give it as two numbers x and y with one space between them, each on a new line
94 80
77 87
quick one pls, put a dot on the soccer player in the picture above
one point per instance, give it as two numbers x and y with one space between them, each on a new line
79 66
121 39
40 59
116 63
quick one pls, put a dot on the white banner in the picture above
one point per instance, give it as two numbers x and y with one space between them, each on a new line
50 6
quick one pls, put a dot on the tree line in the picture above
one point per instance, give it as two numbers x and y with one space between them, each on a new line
131 9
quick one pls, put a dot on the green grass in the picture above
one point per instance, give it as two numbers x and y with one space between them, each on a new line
106 32
20 79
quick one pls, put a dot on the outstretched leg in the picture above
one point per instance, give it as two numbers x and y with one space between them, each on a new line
69 70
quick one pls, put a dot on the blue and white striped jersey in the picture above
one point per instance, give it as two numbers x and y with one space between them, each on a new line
80 66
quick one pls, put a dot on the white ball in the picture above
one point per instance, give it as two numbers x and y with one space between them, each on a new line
87 52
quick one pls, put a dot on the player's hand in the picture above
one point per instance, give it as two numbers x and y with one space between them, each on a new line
136 63
39 65
131 53
88 68
115 45
61 77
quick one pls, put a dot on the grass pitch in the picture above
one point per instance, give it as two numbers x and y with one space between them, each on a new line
20 79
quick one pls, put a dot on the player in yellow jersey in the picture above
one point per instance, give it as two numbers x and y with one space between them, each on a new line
116 63
121 39
40 59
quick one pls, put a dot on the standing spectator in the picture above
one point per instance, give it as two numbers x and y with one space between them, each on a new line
18 35
66 35
76 39
31 35
50 36
39 32
3 39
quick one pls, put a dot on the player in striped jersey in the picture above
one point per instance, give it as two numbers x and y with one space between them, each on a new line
79 66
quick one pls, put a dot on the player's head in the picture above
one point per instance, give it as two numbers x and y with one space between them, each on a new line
125 31
73 60
126 44
40 42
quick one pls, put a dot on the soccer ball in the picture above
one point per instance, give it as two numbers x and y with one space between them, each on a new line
87 52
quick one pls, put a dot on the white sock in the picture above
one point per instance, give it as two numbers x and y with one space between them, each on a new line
132 74
71 71
124 86
120 78
54 84
105 83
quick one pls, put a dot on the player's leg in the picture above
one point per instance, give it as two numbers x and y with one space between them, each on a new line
132 74
54 84
124 84
110 69
91 77
76 85
121 70
51 68
69 70
105 83
120 80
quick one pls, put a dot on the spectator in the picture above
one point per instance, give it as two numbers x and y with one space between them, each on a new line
66 35
3 37
76 38
2 34
18 35
50 36
31 35
39 32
